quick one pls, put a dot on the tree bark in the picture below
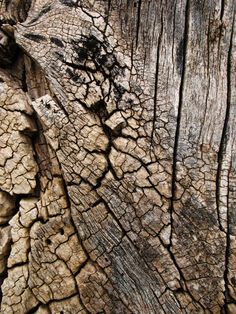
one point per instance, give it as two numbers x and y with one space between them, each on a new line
117 164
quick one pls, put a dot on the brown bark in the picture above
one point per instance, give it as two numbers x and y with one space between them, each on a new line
117 164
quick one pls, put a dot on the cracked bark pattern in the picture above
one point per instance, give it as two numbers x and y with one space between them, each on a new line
117 164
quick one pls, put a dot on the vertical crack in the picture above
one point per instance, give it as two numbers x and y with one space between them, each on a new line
175 150
181 91
221 153
222 9
224 131
138 21
157 76
24 80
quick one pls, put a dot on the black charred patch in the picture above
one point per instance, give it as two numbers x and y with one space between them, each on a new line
34 37
47 105
82 53
46 8
92 44
69 3
48 241
100 109
95 50
87 47
57 42
92 49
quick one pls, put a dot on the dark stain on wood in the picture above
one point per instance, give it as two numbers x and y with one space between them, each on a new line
35 37
57 42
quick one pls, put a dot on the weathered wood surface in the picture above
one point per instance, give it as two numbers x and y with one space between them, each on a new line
118 156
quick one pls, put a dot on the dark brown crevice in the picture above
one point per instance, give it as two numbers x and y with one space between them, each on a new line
221 153
9 53
34 140
24 80
80 267
222 9
138 22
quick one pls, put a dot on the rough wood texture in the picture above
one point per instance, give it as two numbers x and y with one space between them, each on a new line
118 163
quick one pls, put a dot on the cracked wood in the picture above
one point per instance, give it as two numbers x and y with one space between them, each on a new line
117 165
